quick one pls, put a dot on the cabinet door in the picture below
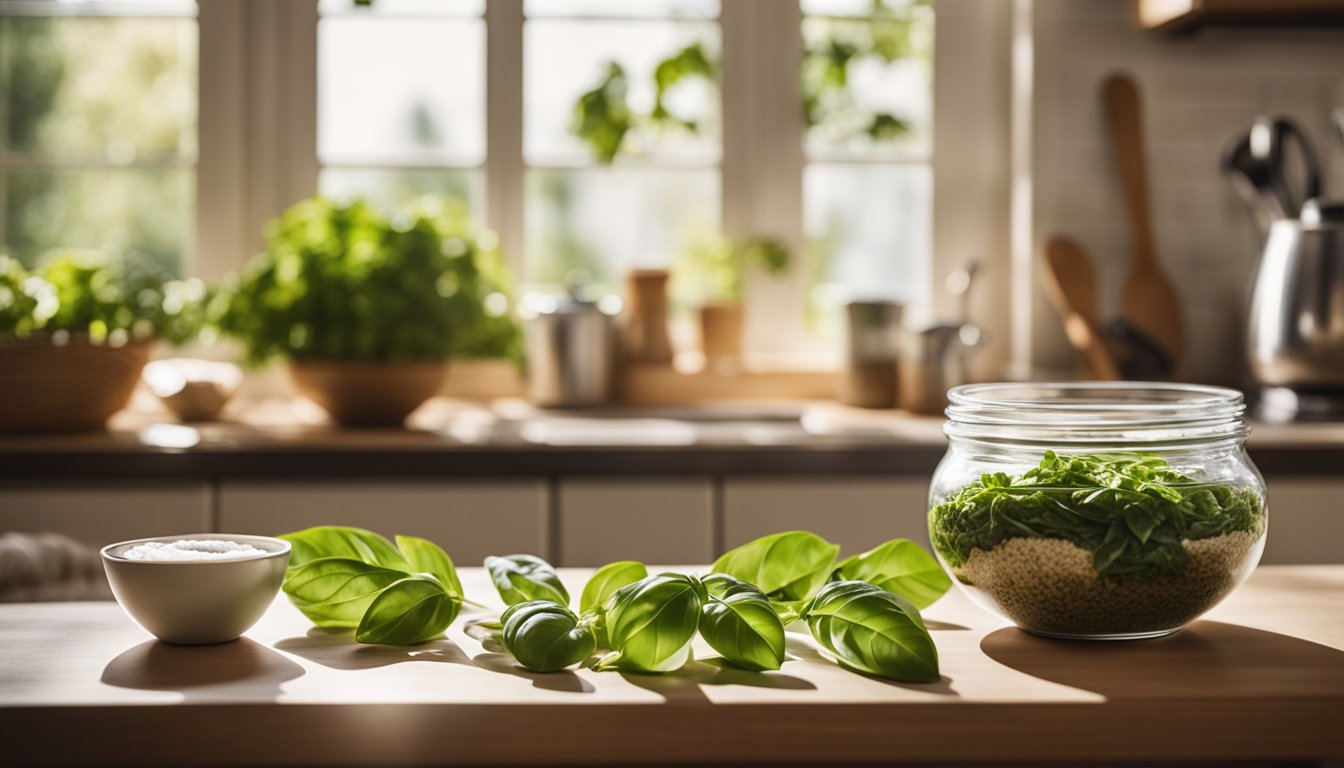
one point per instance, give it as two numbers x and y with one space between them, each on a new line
654 521
469 520
1306 521
856 513
103 513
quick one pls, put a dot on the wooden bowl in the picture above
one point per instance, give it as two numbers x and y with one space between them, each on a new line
45 387
368 394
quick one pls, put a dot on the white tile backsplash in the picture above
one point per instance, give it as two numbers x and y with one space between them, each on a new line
1196 93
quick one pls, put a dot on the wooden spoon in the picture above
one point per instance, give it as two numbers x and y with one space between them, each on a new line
1150 301
1073 286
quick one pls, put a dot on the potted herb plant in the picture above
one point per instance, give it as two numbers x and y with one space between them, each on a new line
367 309
75 333
715 271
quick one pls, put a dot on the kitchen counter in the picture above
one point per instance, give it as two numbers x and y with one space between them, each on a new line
1260 678
509 438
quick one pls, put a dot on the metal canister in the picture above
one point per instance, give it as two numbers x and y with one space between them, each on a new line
874 338
571 351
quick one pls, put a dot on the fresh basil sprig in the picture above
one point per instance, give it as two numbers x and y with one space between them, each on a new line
899 566
355 579
738 621
651 623
545 636
412 610
336 591
343 541
602 586
788 566
872 631
520 578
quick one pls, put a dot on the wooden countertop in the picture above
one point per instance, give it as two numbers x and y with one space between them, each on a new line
1261 678
509 438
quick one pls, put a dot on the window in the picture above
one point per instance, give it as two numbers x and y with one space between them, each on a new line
825 144
585 218
867 182
98 140
401 100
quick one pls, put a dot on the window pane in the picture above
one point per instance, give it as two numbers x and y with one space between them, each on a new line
868 231
103 89
146 210
853 7
401 91
568 58
604 221
623 8
404 7
392 188
869 83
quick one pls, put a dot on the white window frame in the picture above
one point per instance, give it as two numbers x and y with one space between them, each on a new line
257 148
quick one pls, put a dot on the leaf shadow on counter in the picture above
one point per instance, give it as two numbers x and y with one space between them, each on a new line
800 648
337 649
685 685
1206 659
563 681
241 670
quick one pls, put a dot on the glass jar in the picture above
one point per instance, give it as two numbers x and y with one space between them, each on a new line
1099 510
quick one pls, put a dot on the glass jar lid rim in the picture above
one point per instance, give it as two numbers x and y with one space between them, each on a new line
1112 412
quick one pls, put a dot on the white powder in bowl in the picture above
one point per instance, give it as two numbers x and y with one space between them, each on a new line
191 549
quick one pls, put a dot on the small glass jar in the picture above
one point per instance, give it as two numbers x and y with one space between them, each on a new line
1100 510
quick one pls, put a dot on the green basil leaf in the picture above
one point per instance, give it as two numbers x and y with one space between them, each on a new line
520 578
902 567
738 621
427 557
413 610
341 541
336 591
545 636
872 631
607 580
786 566
651 623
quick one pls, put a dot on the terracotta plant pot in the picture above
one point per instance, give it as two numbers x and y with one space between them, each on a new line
367 394
74 386
721 334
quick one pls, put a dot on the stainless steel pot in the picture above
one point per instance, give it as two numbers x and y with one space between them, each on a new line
571 352
1297 309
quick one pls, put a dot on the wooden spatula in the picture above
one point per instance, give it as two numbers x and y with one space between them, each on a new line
1150 301
1072 283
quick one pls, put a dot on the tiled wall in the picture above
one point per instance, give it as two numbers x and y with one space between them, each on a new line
1197 92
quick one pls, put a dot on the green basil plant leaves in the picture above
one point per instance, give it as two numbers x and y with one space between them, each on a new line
873 631
336 591
426 557
355 579
738 621
340 541
602 586
545 636
651 623
901 567
520 578
412 610
786 566
607 580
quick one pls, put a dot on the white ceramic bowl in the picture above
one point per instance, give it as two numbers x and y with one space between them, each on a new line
197 602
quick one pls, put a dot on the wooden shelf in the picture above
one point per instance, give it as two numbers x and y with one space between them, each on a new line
1187 15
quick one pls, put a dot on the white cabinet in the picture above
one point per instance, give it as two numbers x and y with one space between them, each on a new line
654 521
102 513
1306 521
469 520
855 512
